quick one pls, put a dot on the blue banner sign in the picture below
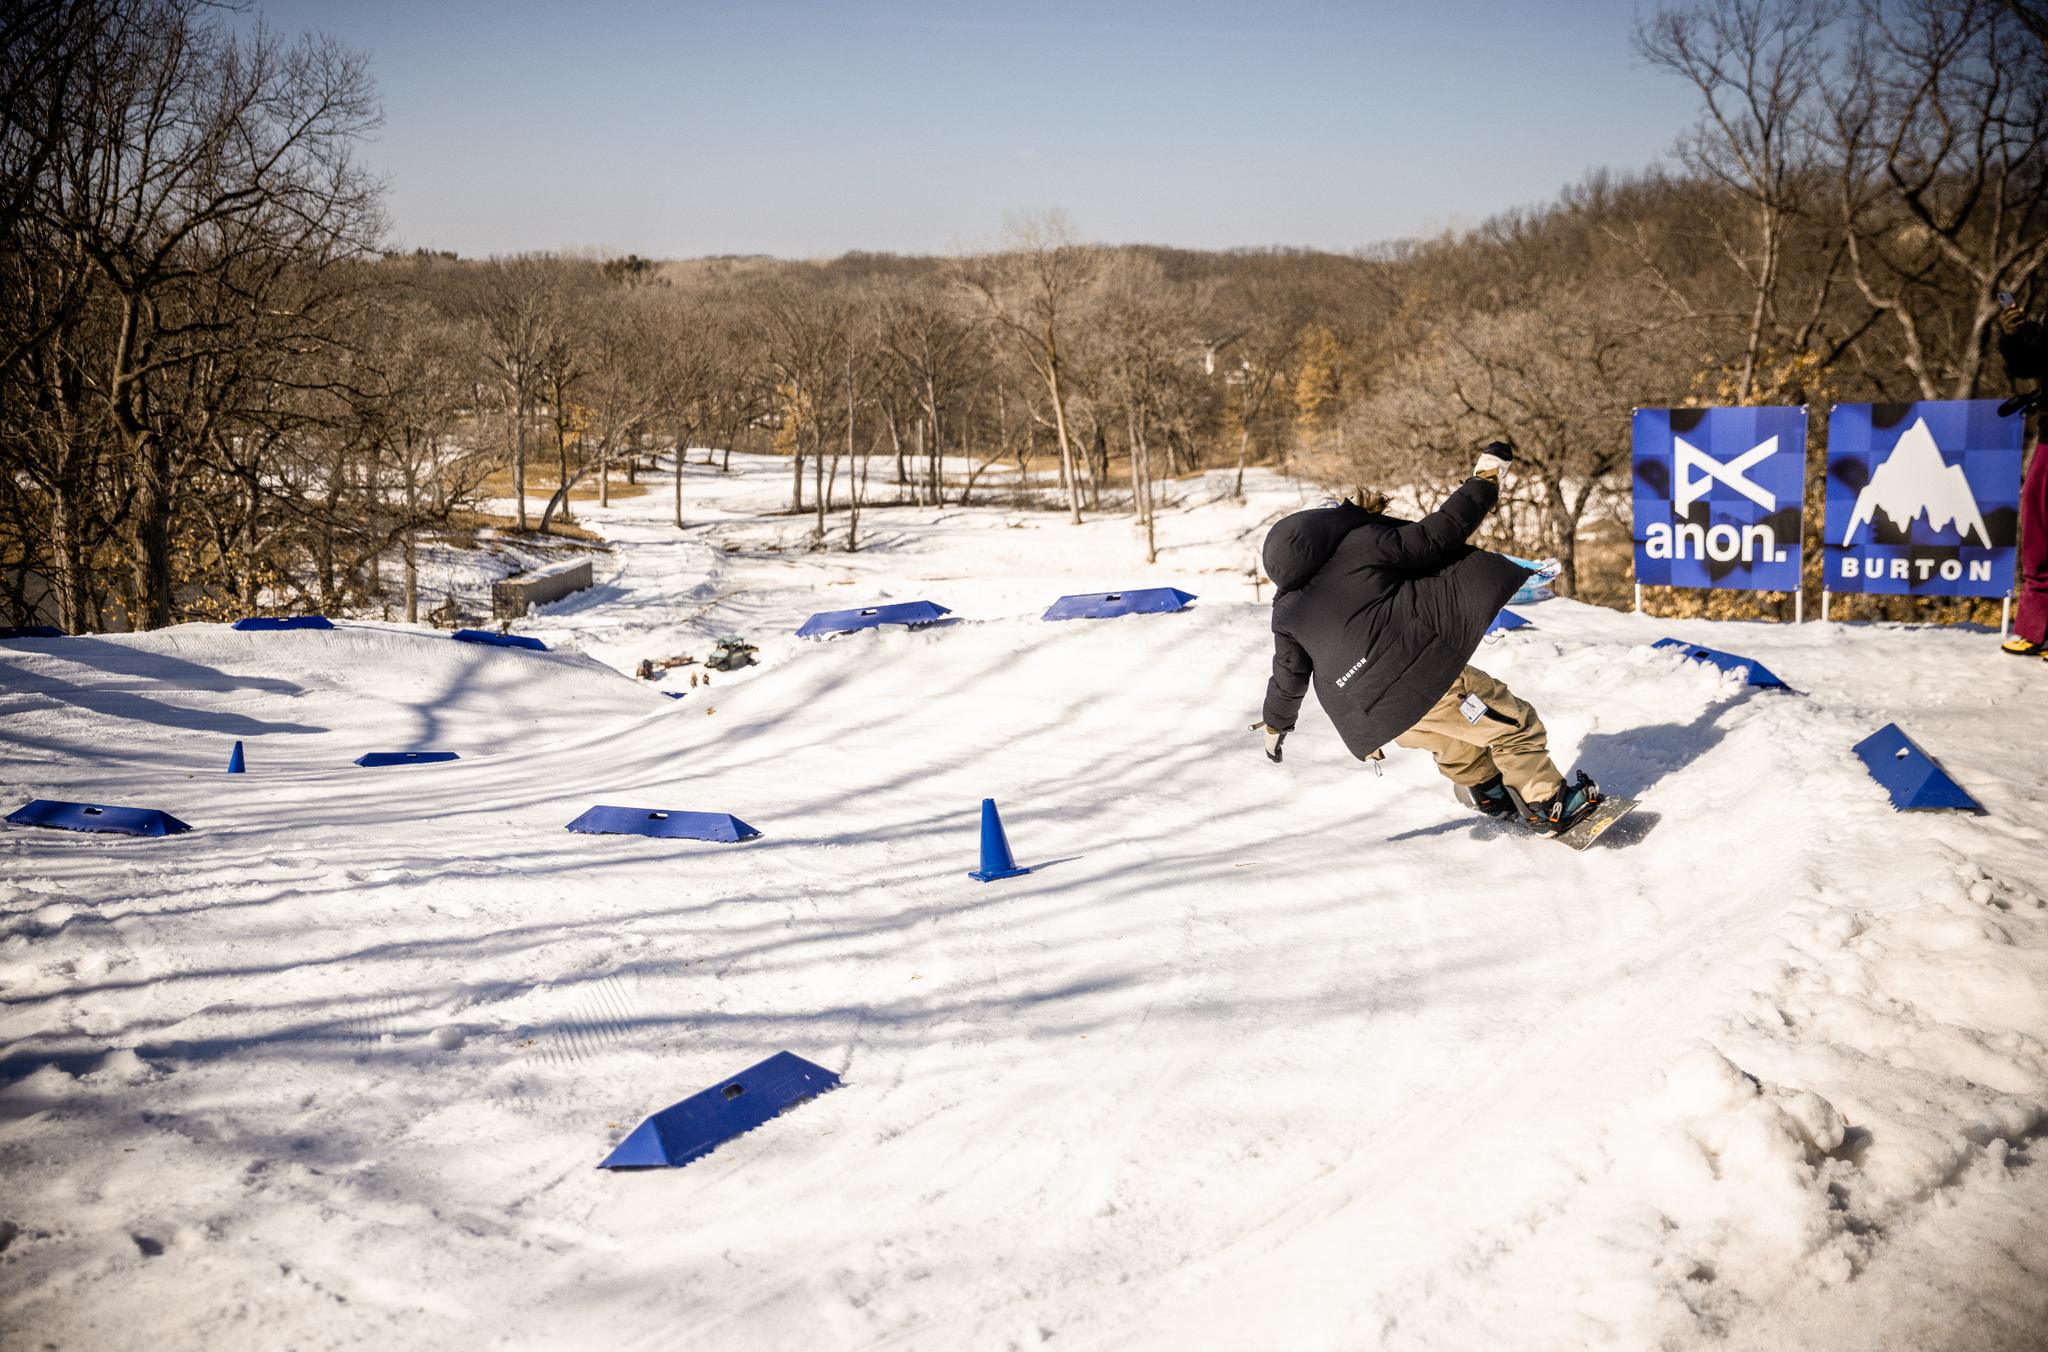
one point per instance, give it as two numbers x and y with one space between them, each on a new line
1719 497
1923 499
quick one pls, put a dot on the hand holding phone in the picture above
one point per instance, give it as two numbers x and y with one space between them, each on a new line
2006 300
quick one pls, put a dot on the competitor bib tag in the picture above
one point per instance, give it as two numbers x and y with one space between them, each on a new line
1473 707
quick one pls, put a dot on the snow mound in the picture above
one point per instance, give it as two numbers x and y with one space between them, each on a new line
1255 1056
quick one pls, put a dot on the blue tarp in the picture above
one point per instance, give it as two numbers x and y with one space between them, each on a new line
1725 661
31 631
846 621
283 622
125 821
1505 621
647 821
1102 605
691 1129
1909 774
499 640
376 758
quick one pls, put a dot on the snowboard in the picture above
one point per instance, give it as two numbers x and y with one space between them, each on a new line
1584 831
1590 827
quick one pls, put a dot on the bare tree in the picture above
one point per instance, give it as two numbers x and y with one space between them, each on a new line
175 183
1941 129
1029 293
1759 66
518 317
1146 330
1260 310
932 347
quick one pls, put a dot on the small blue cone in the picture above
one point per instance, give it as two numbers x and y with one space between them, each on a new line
995 847
235 766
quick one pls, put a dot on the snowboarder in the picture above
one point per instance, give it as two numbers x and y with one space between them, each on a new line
2024 345
1383 614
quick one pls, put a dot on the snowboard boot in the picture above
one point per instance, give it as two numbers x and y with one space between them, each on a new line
2020 647
1565 810
1490 798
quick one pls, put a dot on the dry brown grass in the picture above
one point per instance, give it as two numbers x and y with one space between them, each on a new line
464 527
541 484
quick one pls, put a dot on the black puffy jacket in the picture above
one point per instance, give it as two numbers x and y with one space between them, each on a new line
2025 352
1383 613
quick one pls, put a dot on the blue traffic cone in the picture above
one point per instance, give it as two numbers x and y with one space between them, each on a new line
995 847
235 766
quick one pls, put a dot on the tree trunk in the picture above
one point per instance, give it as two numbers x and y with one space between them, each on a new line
1141 484
818 475
796 483
412 577
853 488
1059 413
152 559
519 460
917 457
561 472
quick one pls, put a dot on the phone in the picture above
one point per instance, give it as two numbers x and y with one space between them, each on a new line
2006 300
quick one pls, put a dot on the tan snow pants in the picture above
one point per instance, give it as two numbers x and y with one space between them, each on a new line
1507 740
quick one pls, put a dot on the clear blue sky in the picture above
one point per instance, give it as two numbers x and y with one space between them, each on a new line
808 129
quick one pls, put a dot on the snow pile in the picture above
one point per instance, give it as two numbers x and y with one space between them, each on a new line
1256 1056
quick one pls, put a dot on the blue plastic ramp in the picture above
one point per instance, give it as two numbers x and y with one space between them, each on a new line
1102 605
124 821
30 631
1725 661
693 1128
647 821
248 622
1505 621
846 621
376 758
1909 774
499 640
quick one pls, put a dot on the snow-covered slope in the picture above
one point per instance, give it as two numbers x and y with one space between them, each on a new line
1256 1056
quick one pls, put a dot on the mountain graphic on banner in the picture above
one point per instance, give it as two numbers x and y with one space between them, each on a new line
1914 480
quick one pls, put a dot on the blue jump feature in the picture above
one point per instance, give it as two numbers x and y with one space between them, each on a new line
31 631
374 759
996 860
123 821
1758 675
647 821
846 621
1102 605
1505 621
499 640
1910 775
695 1127
248 622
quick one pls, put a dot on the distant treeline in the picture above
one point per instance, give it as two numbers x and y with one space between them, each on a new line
218 395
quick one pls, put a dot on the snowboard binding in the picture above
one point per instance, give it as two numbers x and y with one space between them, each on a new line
1572 805
1579 815
1490 798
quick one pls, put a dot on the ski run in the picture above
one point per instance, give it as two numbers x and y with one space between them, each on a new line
1256 1056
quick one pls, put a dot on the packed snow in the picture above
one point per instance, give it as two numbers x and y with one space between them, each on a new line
1256 1056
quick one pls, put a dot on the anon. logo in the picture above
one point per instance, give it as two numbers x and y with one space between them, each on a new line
1734 473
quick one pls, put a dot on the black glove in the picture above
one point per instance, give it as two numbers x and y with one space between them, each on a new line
1494 458
1274 739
